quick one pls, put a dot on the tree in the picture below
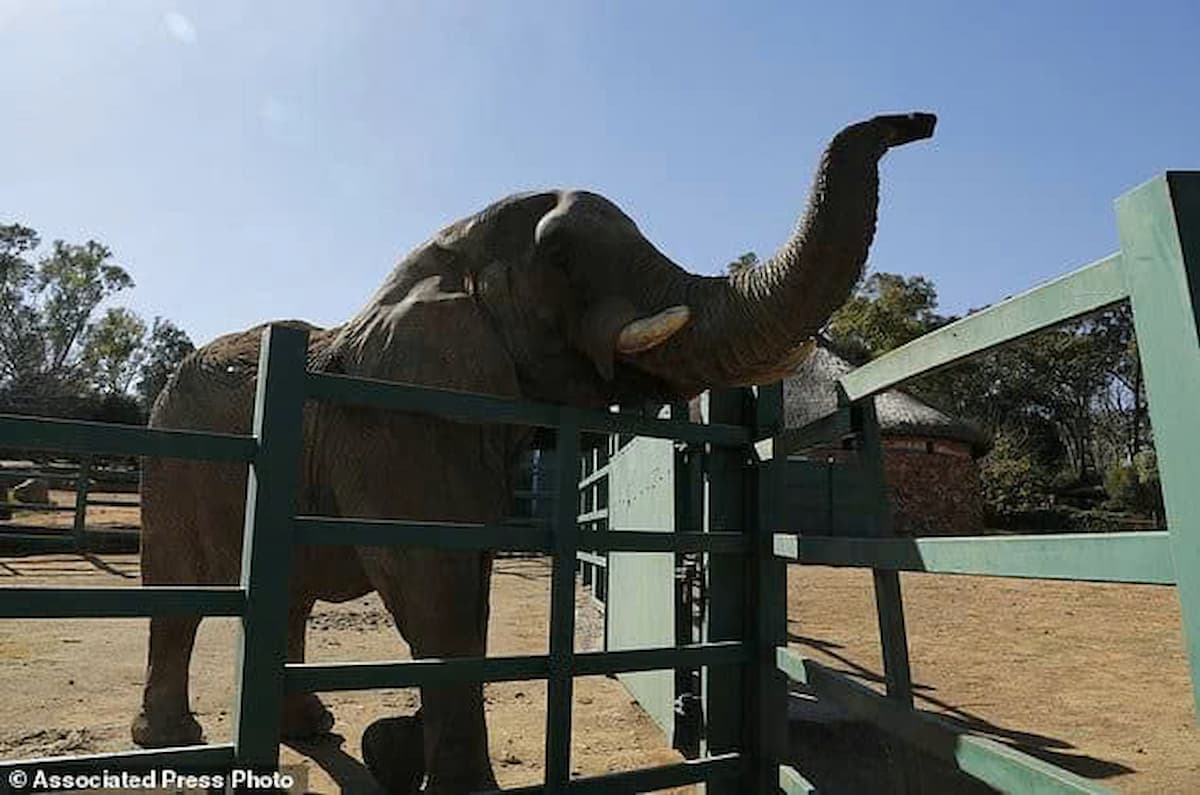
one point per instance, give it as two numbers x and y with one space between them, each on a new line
1064 405
113 351
744 262
165 350
57 357
72 282
47 308
21 346
887 311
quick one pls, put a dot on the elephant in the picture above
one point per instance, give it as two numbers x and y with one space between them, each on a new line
552 296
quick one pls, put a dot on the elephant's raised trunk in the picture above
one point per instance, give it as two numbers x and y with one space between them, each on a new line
751 327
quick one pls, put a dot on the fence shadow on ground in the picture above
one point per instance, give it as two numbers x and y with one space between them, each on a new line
1048 749
348 773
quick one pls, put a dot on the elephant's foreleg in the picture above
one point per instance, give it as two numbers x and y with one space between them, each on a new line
439 600
165 718
303 713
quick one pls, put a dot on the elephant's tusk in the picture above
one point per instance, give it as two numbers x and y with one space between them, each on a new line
646 333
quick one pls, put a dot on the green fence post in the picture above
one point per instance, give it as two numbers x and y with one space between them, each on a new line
267 545
889 603
560 685
81 498
723 686
1159 225
689 518
769 597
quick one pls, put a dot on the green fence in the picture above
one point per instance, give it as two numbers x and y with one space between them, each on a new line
1158 271
79 479
745 654
261 599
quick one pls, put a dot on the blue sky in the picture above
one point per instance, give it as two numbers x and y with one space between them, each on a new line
249 161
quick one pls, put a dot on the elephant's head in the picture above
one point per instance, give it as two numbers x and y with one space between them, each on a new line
599 307
591 312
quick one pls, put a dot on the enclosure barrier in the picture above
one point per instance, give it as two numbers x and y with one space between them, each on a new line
77 538
1158 271
1158 268
261 599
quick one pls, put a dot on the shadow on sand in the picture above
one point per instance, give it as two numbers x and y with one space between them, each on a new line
348 773
851 756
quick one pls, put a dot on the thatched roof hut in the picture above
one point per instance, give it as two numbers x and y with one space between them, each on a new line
930 458
811 393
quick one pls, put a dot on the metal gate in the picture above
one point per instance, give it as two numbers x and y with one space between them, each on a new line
271 527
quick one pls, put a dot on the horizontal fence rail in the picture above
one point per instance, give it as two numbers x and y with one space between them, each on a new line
652 779
74 436
1138 557
143 602
593 559
329 677
1089 289
196 758
474 407
331 531
991 762
792 783
822 431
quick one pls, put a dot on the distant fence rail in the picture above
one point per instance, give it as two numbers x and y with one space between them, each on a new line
85 479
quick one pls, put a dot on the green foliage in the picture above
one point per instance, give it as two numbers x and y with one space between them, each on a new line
886 312
71 283
1121 486
59 354
1063 405
113 350
744 262
1012 478
164 351
1135 486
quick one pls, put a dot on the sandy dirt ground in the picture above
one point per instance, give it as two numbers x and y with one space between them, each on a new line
1090 677
72 686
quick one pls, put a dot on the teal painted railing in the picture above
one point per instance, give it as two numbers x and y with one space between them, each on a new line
260 600
1158 271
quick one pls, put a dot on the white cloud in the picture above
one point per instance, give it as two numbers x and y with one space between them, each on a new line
180 27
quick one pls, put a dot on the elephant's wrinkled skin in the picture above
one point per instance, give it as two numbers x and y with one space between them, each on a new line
552 296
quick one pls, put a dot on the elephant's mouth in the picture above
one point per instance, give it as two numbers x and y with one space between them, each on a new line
631 385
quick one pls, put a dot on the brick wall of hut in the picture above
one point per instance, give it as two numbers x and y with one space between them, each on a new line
934 486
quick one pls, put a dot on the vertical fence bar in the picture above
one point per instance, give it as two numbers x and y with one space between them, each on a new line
726 497
1159 225
769 597
267 545
689 711
559 686
889 603
81 498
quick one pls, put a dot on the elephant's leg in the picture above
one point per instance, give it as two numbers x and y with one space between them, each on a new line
394 750
165 718
439 600
303 713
